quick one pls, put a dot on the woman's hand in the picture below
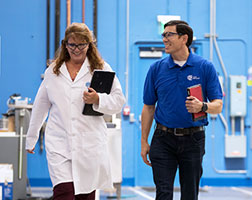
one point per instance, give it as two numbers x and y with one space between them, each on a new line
91 96
31 150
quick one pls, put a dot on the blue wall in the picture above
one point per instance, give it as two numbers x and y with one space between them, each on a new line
23 60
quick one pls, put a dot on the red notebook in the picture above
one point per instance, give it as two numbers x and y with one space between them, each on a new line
196 91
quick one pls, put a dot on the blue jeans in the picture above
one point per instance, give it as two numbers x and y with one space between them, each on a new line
169 152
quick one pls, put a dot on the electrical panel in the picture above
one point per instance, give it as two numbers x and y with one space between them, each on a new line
235 146
238 93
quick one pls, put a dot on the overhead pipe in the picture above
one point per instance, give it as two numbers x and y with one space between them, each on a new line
224 123
242 125
225 76
211 32
68 3
95 18
0 58
57 24
48 33
188 10
233 126
213 41
127 55
83 11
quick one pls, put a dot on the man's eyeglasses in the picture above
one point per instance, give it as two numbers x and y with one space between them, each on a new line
169 34
80 46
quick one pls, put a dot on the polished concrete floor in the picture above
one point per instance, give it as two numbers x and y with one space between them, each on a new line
138 193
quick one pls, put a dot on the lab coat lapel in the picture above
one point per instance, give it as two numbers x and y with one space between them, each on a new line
83 70
64 72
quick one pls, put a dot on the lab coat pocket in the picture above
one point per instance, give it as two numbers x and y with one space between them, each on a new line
57 142
93 144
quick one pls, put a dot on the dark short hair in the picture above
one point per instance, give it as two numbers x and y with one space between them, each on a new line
182 28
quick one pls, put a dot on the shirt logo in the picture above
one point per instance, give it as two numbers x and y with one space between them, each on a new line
191 77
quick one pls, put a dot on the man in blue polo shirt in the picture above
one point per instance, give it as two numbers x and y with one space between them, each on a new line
178 140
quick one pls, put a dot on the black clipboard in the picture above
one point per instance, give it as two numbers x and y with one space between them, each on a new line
196 91
101 82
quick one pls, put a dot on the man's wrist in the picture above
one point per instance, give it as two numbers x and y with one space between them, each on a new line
204 107
144 140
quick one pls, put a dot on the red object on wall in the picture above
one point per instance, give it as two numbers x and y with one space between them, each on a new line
126 110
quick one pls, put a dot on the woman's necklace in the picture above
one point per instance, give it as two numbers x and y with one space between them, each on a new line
73 73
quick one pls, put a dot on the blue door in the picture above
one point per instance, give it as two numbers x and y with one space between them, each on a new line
144 55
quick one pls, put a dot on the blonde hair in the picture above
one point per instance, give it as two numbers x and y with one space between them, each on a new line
81 32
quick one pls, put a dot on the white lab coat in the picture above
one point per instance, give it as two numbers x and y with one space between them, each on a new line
76 144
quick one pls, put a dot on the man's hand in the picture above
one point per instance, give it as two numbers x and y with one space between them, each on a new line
90 96
146 122
145 148
193 105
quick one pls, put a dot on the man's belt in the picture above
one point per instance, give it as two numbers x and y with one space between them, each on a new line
180 131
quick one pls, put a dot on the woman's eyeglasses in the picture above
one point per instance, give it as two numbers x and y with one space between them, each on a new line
80 46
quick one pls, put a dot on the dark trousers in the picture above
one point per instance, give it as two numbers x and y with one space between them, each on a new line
65 191
169 152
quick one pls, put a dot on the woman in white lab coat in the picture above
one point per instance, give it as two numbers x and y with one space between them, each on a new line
76 144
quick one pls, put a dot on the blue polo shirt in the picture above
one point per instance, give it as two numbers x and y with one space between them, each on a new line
166 86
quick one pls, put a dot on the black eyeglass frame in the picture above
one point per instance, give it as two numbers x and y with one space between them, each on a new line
169 34
80 46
